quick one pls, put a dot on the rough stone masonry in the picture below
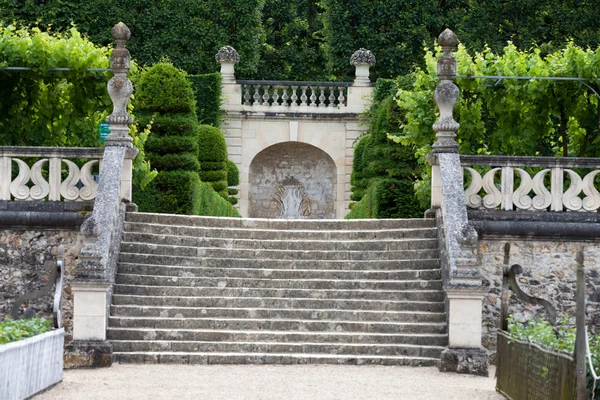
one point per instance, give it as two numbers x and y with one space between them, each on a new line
548 272
22 257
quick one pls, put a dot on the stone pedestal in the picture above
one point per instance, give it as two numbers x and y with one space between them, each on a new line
89 310
465 361
88 354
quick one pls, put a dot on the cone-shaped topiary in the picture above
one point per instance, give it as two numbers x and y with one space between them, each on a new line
233 180
212 155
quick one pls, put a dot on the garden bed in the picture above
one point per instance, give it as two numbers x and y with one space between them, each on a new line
31 365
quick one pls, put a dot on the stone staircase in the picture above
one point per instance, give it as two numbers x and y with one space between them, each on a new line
235 291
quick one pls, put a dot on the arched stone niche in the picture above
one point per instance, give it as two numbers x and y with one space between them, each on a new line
292 180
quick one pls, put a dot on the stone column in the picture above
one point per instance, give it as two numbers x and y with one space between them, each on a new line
232 92
94 275
462 279
361 93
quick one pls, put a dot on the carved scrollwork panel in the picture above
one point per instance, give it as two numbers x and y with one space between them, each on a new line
68 190
570 197
592 200
543 197
18 187
41 187
520 196
493 198
90 187
472 197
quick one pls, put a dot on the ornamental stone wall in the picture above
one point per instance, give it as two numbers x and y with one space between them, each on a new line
22 256
548 272
295 173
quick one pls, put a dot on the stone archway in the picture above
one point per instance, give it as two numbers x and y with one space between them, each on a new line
292 180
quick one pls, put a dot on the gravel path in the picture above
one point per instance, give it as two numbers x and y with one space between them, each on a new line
265 382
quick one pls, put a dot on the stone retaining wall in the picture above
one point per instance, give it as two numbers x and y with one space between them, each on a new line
548 272
22 256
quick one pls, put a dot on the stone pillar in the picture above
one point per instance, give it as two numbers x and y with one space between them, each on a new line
94 277
361 92
463 281
232 92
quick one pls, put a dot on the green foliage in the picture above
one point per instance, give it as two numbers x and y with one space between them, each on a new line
383 171
172 144
208 91
559 338
166 89
387 198
293 47
14 330
43 108
188 32
165 97
173 162
172 192
514 117
213 158
233 174
213 204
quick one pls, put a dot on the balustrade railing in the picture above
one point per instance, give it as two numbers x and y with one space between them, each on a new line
321 95
531 183
36 173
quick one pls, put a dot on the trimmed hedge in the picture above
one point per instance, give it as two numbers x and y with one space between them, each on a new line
213 158
387 198
164 88
208 91
383 172
165 96
172 144
211 203
171 124
233 180
174 162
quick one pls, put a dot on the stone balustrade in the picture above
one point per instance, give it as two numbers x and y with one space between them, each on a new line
39 173
531 183
321 96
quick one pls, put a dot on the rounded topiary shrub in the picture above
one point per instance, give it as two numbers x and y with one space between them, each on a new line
212 154
233 180
165 88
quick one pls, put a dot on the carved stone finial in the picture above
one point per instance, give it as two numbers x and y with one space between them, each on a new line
362 60
120 89
227 54
362 56
446 96
227 57
447 39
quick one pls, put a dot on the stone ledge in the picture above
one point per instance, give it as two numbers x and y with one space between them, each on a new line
41 219
88 354
465 361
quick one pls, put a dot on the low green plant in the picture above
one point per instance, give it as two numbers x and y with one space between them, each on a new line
556 338
13 330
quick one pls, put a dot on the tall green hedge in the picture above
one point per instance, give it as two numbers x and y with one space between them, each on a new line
208 91
383 172
165 96
213 158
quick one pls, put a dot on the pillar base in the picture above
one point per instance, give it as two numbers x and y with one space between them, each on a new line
465 361
88 354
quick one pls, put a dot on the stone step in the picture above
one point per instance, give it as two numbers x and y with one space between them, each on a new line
278 324
415 259
201 272
252 283
271 234
269 358
260 223
279 302
282 313
298 245
179 346
414 295
187 251
228 335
